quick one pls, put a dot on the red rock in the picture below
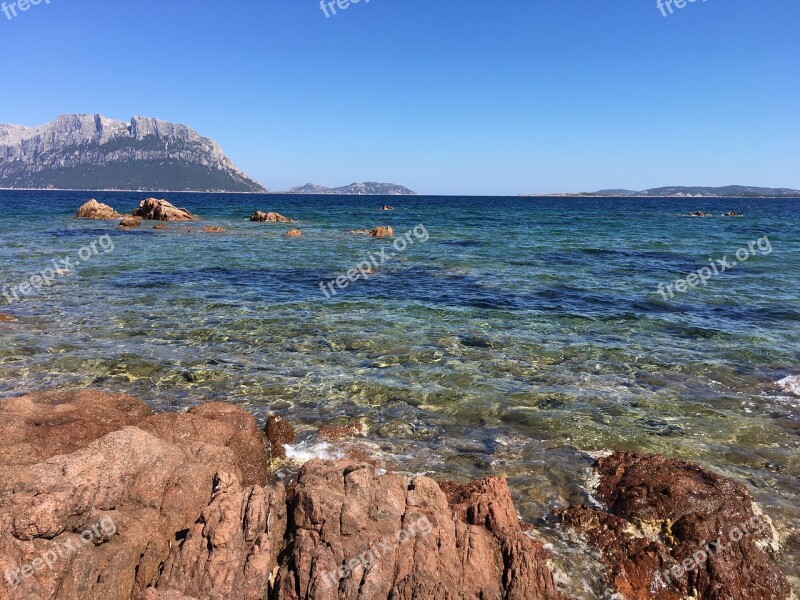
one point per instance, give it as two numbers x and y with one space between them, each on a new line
690 507
94 210
293 233
153 209
413 545
4 318
213 229
279 433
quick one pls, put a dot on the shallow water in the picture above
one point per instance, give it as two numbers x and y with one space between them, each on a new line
522 337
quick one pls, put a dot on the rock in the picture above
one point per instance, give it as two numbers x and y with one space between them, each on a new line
270 217
153 209
94 210
357 534
4 318
293 233
382 232
339 432
279 433
39 426
670 529
213 229
733 213
167 492
130 222
699 213
387 207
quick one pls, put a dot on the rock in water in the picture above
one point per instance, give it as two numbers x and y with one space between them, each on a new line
270 217
129 222
293 233
153 209
94 210
279 433
671 529
382 232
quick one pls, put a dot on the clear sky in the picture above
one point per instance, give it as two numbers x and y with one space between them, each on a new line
444 96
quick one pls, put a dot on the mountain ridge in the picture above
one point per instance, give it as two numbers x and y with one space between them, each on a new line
93 152
368 188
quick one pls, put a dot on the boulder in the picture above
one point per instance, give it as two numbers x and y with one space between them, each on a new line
153 209
270 217
381 232
293 233
4 318
130 222
213 229
355 533
387 207
111 500
669 529
94 210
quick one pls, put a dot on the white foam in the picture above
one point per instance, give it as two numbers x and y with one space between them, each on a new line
306 451
790 384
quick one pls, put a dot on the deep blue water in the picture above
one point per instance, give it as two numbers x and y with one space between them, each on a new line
523 335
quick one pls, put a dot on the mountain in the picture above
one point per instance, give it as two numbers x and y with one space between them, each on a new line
369 188
730 191
91 152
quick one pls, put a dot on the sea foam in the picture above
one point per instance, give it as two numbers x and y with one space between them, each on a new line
790 384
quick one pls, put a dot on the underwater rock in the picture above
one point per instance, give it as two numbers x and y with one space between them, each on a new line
270 217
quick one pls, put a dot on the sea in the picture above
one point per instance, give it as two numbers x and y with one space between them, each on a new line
518 336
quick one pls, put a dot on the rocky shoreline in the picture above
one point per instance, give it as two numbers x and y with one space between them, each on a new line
103 498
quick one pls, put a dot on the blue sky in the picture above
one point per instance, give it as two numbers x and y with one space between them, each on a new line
444 96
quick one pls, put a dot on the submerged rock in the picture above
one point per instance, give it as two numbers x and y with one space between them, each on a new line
293 233
270 217
381 232
670 529
130 222
213 229
4 318
153 209
386 207
95 210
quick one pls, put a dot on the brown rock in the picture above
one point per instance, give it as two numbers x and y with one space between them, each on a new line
387 207
130 222
382 232
293 233
4 318
181 520
339 432
153 209
270 217
94 210
279 433
213 229
671 529
394 537
38 426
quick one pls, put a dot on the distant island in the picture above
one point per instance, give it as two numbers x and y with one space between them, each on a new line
92 152
369 188
730 191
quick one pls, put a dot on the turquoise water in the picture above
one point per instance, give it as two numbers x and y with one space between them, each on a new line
521 337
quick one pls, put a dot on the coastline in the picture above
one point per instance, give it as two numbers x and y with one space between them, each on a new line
202 505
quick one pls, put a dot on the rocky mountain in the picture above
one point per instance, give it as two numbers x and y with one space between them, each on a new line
92 152
369 188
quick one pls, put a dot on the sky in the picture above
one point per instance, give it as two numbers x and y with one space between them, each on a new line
443 96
